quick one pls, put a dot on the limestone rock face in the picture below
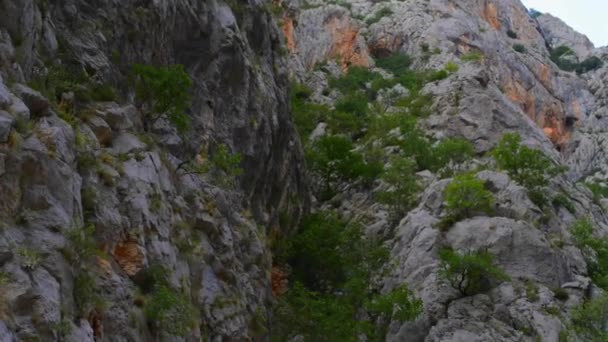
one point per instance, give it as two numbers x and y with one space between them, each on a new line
558 33
66 166
511 86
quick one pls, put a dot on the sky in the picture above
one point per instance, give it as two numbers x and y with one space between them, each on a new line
585 16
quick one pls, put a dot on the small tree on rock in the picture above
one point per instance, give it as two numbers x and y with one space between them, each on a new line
163 91
466 196
469 272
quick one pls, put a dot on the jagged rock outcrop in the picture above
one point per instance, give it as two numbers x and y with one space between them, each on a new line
510 84
558 33
103 170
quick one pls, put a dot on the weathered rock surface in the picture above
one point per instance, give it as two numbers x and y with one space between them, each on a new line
561 113
107 172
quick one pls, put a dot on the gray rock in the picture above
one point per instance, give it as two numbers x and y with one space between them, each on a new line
18 109
5 96
35 102
6 125
127 143
102 130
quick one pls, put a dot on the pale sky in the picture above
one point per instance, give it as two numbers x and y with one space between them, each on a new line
586 16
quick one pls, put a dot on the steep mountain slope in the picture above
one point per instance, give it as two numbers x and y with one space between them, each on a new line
82 155
495 69
117 225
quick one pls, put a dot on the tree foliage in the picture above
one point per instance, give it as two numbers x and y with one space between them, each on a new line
470 272
400 175
333 265
528 167
595 250
334 160
163 91
466 195
589 321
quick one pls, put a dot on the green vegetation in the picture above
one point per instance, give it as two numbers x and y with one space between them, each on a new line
223 166
306 114
511 34
595 250
383 12
466 196
452 151
470 272
404 187
334 160
589 321
473 56
520 48
167 310
61 79
398 64
528 167
561 200
327 257
163 91
599 191
30 258
171 312
560 294
565 58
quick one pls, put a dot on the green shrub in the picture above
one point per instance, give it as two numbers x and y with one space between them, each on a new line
163 91
225 166
511 34
561 200
30 258
532 290
404 187
564 57
455 150
520 48
82 247
595 250
528 167
397 63
473 56
84 293
354 103
332 158
451 67
306 115
438 75
589 64
355 79
589 321
466 196
560 294
103 93
383 12
333 265
171 312
599 191
470 272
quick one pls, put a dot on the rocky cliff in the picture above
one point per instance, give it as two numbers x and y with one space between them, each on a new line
499 72
115 225
75 154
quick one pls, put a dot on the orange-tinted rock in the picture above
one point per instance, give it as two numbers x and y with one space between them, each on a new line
278 280
288 31
129 257
490 14
345 45
105 266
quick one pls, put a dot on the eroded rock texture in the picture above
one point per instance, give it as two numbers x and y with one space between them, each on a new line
144 210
